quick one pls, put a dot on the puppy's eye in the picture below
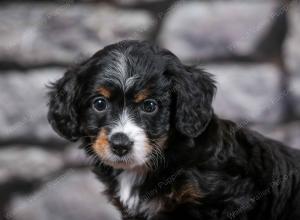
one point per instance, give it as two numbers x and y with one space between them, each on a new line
149 106
100 104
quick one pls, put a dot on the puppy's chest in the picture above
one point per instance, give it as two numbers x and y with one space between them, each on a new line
150 203
128 192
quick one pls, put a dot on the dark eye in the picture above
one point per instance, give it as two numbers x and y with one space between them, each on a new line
149 106
100 104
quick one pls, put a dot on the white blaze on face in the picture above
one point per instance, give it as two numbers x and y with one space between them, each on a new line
117 72
136 134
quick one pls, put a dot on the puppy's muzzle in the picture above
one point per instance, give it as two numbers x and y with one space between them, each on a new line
120 144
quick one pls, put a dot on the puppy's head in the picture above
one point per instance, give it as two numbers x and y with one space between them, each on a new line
126 99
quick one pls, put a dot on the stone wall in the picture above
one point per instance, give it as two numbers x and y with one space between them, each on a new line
252 48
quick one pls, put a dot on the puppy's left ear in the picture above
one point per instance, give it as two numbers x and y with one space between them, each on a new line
194 90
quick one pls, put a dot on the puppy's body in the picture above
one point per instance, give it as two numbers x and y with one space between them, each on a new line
230 173
159 149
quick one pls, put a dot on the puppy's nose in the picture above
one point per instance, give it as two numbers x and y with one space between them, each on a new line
120 144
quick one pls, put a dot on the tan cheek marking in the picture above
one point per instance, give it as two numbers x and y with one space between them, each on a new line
104 92
101 143
142 95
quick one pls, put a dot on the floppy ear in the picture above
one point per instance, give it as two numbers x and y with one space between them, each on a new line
194 89
62 114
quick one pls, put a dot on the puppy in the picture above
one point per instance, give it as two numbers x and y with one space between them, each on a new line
160 150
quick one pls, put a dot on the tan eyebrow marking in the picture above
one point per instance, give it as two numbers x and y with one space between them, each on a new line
104 92
142 95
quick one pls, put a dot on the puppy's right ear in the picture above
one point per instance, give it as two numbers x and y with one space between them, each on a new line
62 114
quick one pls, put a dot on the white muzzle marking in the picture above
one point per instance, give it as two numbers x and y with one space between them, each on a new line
136 134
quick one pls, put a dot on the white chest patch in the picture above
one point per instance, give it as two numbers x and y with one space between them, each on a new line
129 183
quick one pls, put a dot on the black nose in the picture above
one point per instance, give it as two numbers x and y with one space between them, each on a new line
120 144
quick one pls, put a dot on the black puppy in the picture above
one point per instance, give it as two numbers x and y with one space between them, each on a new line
160 150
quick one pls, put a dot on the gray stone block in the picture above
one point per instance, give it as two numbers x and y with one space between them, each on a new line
248 93
28 164
209 30
23 112
35 164
289 133
295 91
292 53
73 195
292 46
56 34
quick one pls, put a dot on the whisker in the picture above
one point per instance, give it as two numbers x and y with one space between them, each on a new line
158 152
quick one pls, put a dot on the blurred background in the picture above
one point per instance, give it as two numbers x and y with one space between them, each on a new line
251 46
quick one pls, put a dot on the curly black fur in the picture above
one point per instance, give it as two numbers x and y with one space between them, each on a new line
211 168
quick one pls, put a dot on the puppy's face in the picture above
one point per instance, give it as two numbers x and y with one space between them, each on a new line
127 108
125 100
